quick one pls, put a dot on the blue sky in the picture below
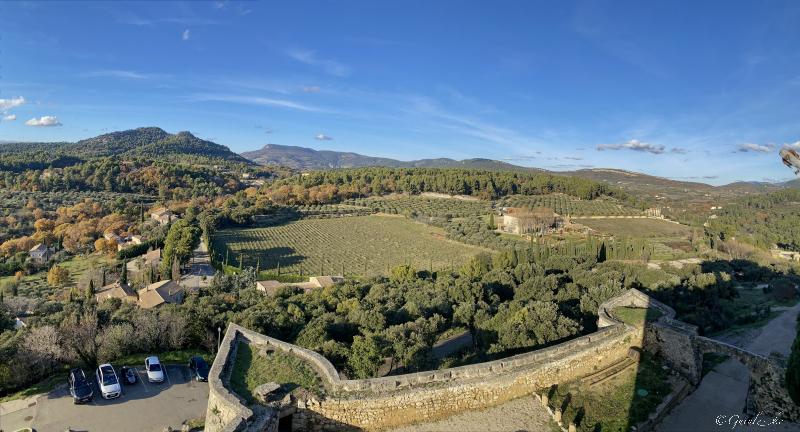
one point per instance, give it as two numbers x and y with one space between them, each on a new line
702 91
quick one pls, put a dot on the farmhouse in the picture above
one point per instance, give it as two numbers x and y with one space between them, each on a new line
163 215
160 293
778 253
116 290
269 287
40 254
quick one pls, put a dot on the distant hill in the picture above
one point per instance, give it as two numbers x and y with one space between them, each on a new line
146 141
306 159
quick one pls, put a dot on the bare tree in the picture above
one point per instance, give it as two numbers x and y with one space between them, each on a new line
737 250
39 353
20 306
82 337
544 218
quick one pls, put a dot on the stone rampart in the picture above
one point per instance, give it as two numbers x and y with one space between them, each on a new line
397 400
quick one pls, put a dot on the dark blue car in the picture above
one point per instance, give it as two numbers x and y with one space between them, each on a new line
79 387
199 367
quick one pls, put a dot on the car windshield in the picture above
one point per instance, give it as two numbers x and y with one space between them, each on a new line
108 376
155 367
201 365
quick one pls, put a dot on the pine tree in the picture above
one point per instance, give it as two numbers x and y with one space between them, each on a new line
90 289
123 276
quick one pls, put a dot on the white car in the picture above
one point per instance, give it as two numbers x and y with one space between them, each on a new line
108 382
154 371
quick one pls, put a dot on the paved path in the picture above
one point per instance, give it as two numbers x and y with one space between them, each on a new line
200 266
142 407
445 347
723 392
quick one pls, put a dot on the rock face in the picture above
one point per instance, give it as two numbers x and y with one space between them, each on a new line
264 391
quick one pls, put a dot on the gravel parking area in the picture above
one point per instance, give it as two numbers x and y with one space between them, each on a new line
143 406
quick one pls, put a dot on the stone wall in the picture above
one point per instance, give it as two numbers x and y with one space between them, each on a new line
397 400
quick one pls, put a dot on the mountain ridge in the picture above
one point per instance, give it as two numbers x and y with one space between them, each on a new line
151 142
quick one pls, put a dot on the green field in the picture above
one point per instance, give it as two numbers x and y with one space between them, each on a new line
36 286
639 227
374 241
250 370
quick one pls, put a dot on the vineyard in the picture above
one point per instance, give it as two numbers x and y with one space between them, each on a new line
441 207
323 246
564 205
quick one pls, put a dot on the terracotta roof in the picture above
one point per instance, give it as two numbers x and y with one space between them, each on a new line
159 293
118 290
269 287
152 256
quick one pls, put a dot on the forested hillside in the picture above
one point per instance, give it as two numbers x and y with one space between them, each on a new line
485 184
147 141
761 220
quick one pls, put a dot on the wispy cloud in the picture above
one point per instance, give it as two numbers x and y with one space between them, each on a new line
186 35
747 147
241 10
333 67
677 150
12 117
519 158
45 121
635 145
710 176
574 158
11 103
586 166
253 100
258 126
121 74
309 89
270 131
322 137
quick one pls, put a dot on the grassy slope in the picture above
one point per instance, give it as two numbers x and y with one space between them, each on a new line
251 370
634 227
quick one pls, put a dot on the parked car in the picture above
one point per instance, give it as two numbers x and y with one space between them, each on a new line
108 382
79 387
200 368
154 370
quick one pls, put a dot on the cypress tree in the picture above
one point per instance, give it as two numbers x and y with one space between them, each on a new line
123 276
365 268
104 277
342 268
227 254
240 262
90 289
491 221
279 268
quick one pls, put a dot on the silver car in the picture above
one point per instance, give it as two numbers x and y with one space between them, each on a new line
108 382
154 371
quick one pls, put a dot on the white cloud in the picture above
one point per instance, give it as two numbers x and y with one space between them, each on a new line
634 145
119 74
11 103
309 89
12 117
322 137
186 35
45 121
253 100
574 158
794 145
309 57
746 147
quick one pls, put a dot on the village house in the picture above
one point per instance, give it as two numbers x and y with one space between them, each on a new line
40 254
782 254
163 215
137 239
269 287
159 294
119 290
